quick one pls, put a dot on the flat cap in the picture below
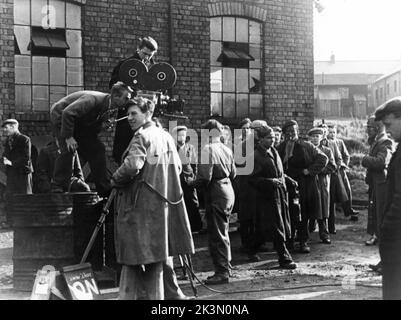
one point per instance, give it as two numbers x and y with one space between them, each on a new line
391 106
258 123
316 131
179 128
289 124
9 121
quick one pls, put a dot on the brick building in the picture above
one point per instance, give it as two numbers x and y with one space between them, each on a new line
233 58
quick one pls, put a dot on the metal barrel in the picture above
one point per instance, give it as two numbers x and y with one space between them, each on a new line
51 229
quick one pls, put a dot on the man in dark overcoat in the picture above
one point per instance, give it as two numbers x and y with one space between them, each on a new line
272 219
303 161
390 231
17 160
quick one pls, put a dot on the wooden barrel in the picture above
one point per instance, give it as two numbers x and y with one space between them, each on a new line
52 229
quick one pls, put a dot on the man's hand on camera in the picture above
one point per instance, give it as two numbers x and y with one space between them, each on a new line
72 144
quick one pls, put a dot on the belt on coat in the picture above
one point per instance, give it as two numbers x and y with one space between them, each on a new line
151 188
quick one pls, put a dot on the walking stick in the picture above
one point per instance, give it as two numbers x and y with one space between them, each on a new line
99 224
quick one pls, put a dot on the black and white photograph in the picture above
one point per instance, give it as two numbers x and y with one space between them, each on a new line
210 153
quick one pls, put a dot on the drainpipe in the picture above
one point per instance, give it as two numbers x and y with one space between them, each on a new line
171 37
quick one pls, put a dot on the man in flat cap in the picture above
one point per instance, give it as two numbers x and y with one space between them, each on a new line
316 136
390 232
303 162
376 163
17 160
189 160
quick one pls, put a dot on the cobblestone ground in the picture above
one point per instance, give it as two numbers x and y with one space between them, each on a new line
338 271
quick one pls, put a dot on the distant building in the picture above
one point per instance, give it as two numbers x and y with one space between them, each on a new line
342 88
386 87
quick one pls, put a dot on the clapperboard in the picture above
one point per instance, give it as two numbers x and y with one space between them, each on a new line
81 282
44 282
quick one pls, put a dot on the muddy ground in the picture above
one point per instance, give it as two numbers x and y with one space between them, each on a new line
330 272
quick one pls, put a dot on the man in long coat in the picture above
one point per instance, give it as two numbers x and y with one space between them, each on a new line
316 135
303 161
152 223
390 232
17 160
346 205
272 219
376 163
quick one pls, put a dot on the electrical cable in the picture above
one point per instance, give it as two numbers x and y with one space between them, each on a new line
276 289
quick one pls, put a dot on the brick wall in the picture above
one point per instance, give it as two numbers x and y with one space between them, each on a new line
111 30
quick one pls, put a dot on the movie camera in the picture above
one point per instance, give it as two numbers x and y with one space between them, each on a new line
153 84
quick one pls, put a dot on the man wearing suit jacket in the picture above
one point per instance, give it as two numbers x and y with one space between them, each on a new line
17 160
76 120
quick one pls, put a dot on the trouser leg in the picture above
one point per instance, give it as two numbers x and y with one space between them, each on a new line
171 288
63 166
323 229
246 232
136 283
218 238
192 204
303 230
94 152
281 249
332 217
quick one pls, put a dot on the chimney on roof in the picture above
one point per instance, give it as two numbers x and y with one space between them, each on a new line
332 58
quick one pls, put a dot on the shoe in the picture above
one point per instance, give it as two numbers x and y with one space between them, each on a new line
312 226
353 218
289 265
217 279
354 212
376 267
372 241
304 248
253 258
78 185
326 241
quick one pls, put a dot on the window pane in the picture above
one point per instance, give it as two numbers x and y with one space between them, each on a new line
216 105
57 13
242 80
73 89
256 105
215 28
229 105
254 32
229 79
40 70
23 36
23 98
228 29
74 40
216 79
242 30
40 99
73 16
74 72
254 81
215 52
22 12
242 105
57 71
254 51
56 93
39 12
23 69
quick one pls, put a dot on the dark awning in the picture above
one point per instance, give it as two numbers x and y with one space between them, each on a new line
234 54
48 39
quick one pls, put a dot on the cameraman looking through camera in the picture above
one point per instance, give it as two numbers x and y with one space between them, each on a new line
147 47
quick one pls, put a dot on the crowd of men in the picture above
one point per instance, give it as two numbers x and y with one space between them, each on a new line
292 189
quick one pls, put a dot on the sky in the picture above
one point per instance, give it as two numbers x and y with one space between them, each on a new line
358 30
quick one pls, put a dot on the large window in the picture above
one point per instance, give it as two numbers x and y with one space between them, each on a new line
235 67
48 52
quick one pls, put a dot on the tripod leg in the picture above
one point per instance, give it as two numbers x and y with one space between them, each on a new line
184 273
188 264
